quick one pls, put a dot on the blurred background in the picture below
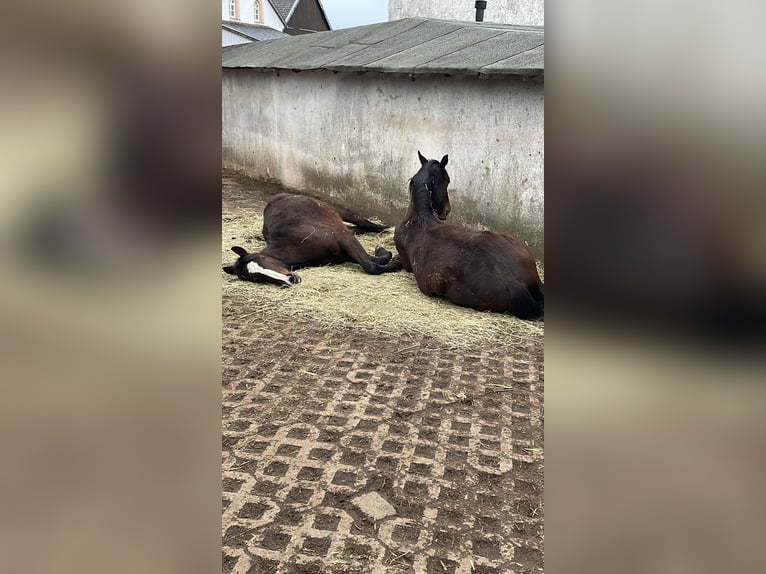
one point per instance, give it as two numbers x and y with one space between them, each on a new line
110 291
109 295
656 276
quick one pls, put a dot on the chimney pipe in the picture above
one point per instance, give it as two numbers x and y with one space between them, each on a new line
480 7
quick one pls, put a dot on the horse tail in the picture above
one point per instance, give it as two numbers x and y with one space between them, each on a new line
528 303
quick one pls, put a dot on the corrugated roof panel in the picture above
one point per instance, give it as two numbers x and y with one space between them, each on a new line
278 50
336 38
314 58
530 62
388 30
391 48
283 7
255 31
484 53
411 45
440 46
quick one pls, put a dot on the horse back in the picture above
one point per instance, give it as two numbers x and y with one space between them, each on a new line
479 269
486 254
287 217
524 260
286 209
303 231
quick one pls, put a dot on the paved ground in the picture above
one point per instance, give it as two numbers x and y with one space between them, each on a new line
349 451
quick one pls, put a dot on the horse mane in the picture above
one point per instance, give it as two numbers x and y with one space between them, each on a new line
421 202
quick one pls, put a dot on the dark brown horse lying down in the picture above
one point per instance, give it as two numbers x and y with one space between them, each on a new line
301 231
478 269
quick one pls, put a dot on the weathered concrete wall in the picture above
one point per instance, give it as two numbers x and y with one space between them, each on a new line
355 138
525 12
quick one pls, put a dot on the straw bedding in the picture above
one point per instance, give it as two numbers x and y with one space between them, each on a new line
343 295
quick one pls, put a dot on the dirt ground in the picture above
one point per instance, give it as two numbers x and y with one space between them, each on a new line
347 450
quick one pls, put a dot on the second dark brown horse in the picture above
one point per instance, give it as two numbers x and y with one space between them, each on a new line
302 231
479 269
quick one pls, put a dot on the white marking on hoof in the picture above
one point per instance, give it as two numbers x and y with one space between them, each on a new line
256 269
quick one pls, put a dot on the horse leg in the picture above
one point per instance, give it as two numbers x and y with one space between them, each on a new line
382 256
362 225
356 253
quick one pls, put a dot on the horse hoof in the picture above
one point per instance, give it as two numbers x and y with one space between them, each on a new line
382 255
294 279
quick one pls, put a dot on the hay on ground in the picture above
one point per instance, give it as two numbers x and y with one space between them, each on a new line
344 295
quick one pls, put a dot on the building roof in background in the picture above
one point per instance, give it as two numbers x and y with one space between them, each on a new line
411 46
253 31
284 7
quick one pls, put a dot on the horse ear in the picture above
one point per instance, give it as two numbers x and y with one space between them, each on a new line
444 161
230 270
423 161
239 250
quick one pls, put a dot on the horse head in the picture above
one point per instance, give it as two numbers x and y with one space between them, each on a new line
434 177
260 268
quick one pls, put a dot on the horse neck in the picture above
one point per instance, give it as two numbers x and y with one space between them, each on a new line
275 253
420 202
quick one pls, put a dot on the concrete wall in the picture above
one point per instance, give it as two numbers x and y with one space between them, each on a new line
526 12
355 139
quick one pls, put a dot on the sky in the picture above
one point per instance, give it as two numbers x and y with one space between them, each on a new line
349 13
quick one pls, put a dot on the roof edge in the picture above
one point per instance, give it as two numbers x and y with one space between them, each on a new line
525 73
324 15
284 22
321 9
525 67
237 32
